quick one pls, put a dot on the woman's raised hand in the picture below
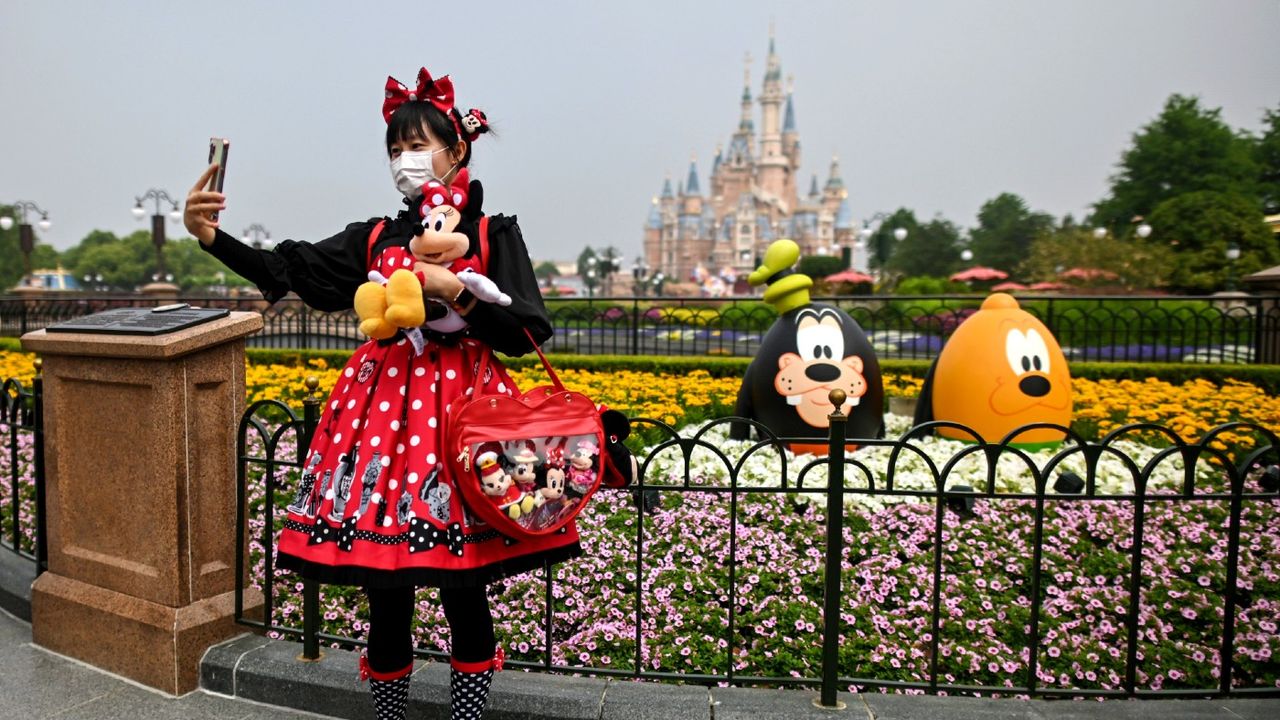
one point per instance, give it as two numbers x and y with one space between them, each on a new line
201 204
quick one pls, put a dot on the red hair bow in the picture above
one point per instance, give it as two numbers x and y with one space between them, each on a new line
437 92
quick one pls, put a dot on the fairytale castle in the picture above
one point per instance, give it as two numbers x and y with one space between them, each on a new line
754 198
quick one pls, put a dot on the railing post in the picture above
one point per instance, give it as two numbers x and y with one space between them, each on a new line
310 589
37 422
635 326
835 543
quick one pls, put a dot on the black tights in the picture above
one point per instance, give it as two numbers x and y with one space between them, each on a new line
391 616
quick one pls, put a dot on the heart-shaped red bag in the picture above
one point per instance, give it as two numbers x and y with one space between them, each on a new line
526 465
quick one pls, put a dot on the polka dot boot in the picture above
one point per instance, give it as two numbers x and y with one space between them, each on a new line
390 690
469 686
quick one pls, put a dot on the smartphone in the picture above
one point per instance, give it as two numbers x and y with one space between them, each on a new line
218 148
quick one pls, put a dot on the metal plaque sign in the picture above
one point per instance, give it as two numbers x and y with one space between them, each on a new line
140 321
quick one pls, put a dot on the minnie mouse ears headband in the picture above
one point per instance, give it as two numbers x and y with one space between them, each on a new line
435 194
440 94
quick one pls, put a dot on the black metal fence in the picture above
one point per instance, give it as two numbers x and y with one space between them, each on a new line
1233 329
22 488
1248 478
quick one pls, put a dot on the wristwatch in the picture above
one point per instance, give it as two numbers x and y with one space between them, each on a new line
462 300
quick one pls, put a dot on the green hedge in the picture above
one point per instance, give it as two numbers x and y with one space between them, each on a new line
1266 377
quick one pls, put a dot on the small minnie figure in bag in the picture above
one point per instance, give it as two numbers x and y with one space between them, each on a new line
551 482
582 470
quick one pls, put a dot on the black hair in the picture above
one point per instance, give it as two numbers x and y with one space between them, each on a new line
409 119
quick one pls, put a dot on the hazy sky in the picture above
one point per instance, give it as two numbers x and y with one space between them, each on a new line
936 106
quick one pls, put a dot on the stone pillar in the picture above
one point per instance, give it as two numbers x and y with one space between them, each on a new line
140 449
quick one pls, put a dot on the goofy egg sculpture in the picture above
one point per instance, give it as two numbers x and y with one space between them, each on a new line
1001 370
811 349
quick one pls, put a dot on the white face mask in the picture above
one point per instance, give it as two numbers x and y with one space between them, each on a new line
412 169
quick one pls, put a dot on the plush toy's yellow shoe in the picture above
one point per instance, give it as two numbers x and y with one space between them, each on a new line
513 511
371 307
405 307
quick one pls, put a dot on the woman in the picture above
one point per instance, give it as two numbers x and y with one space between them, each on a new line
383 511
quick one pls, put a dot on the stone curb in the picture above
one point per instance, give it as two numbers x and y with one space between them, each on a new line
252 667
16 575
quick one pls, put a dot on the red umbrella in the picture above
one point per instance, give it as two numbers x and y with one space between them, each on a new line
1047 286
979 273
1009 286
849 276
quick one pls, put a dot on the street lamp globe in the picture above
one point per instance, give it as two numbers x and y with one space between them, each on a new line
44 224
1144 231
900 234
138 210
1233 252
6 222
966 254
1099 232
175 215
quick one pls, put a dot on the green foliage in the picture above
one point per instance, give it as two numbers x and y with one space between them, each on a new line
820 266
928 285
546 270
929 249
1137 264
1006 229
129 262
1201 225
1267 156
1186 149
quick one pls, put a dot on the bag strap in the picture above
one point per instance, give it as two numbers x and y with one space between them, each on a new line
546 365
373 239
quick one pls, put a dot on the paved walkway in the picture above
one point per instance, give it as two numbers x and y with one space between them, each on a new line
35 683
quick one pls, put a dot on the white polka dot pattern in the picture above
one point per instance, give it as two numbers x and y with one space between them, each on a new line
468 693
390 697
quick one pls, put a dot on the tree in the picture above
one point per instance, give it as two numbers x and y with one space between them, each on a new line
931 249
1267 156
1137 264
820 266
1200 226
1006 228
545 271
882 244
1186 149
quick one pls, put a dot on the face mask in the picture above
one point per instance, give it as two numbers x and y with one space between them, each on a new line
412 170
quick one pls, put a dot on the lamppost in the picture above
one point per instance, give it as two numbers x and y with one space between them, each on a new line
1233 254
870 227
157 224
590 279
658 279
26 238
93 282
639 272
257 235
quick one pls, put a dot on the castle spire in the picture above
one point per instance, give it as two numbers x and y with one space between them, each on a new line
666 187
691 186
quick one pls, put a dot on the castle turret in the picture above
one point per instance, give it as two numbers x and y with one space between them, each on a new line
691 199
774 175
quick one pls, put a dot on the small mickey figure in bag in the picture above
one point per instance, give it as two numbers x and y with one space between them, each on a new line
500 488
551 482
524 465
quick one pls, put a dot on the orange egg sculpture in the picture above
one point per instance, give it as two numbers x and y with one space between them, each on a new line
1001 369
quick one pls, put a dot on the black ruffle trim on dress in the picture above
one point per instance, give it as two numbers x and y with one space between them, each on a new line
425 577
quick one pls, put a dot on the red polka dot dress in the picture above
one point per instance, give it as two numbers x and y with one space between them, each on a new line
377 504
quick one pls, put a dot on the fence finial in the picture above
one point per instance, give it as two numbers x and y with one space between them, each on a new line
38 363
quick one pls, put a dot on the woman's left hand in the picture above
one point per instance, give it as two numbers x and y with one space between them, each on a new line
439 282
